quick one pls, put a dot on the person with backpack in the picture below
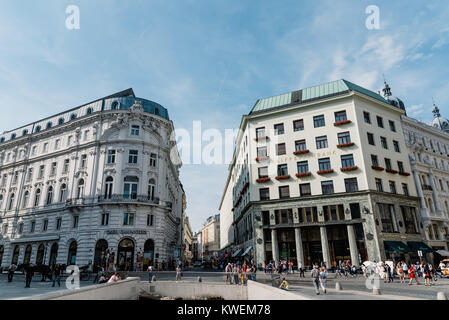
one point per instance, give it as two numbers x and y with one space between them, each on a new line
12 268
57 272
316 278
323 278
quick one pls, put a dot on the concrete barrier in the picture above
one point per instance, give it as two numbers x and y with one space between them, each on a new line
259 291
192 290
127 289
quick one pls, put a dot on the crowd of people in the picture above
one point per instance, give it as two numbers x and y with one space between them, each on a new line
240 273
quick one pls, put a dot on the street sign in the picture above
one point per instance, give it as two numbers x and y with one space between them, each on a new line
420 253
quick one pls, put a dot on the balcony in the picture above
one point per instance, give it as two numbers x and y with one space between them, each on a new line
262 138
427 187
377 168
402 173
303 174
321 172
258 159
284 177
345 145
349 169
343 122
121 198
391 171
296 153
263 180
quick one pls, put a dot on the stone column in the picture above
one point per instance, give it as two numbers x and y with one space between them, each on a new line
299 247
274 246
434 193
325 247
353 245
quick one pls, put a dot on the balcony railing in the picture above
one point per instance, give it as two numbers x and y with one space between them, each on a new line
134 199
427 187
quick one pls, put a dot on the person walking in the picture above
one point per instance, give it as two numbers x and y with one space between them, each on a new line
11 270
412 275
389 273
323 278
178 273
316 278
240 274
427 275
301 270
235 273
364 271
57 272
150 273
28 275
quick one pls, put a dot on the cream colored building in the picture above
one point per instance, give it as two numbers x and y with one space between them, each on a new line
210 238
187 243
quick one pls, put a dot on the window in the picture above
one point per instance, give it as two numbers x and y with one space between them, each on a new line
20 230
388 217
264 194
318 121
104 219
75 222
65 169
379 186
114 105
388 164
5 177
11 201
58 223
298 125
305 190
351 185
380 122
38 128
33 226
327 187
405 189
111 156
54 166
45 225
57 144
261 151
383 142
260 132
371 139
37 197
26 197
72 116
80 190
16 177
374 160
344 137
321 142
62 192
401 167
108 185
279 129
61 121
263 172
86 135
347 161
89 111
50 195
69 141
135 130
128 219
280 149
133 156
324 164
303 167
408 214
392 187
366 117
150 220
33 151
41 172
83 161
151 189
130 187
396 146
284 192
45 147
49 125
392 125
300 145
282 170
5 228
153 158
340 116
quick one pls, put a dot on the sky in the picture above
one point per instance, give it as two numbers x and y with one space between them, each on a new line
210 61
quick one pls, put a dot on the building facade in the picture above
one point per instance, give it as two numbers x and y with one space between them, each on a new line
210 238
196 247
95 184
429 156
323 174
187 256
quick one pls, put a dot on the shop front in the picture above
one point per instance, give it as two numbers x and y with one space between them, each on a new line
397 251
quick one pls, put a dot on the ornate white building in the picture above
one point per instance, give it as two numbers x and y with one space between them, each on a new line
92 184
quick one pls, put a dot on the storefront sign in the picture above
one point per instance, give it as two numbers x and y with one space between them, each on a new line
124 231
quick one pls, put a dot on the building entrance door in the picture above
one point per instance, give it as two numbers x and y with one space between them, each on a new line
53 254
125 255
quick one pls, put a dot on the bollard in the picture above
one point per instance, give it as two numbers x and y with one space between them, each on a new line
338 286
441 296
153 279
376 291
199 279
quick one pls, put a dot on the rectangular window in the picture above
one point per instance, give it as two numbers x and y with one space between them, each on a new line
20 228
262 151
318 121
300 145
41 172
405 189
33 226
371 139
340 116
133 156
366 117
69 141
305 190
380 122
379 186
75 221
280 149
57 144
264 194
282 170
135 130
401 167
303 167
351 185
45 225
58 223
260 132
392 125
284 192
66 166
54 166
45 147
34 150
150 219
396 146
321 142
408 215
279 129
30 174
344 137
104 219
392 187
263 172
128 219
327 187
298 125
86 135
111 156
347 161
388 164
374 160
153 158
83 161
383 142
16 177
324 164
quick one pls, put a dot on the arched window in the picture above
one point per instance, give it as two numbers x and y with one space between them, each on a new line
26 197
72 116
2 250
2 139
40 254
156 111
130 187
38 128
71 258
13 136
11 201
27 257
49 125
15 255
109 183
62 192
114 105
37 197
61 121
151 189
53 254
89 111
24 132
80 191
50 195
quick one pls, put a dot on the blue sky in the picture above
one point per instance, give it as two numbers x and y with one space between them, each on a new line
211 60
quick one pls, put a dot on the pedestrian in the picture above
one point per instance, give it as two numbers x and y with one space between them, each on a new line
240 273
290 267
150 273
284 285
389 273
228 272
323 278
178 273
57 272
300 269
404 269
235 273
364 271
265 267
114 278
253 272
316 278
412 275
427 275
28 275
11 270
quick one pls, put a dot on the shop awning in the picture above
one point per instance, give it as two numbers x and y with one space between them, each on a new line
398 246
246 251
236 253
443 253
420 246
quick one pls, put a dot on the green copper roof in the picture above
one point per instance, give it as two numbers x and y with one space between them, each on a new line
313 93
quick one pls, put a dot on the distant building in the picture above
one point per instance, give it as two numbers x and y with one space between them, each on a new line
197 247
211 238
187 247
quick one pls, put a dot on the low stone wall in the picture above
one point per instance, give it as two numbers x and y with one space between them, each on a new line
192 290
259 291
127 289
